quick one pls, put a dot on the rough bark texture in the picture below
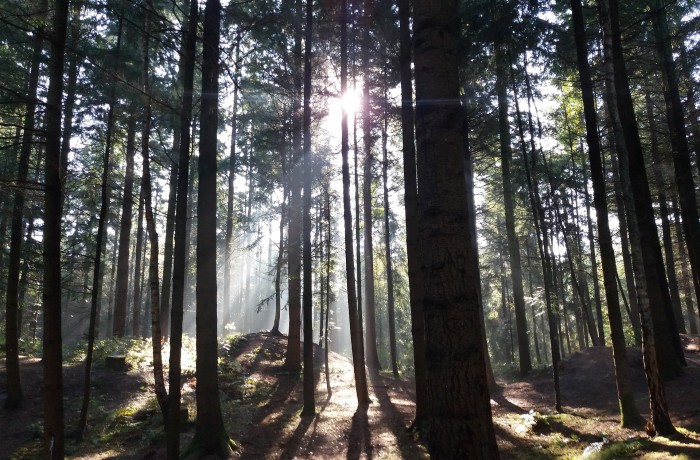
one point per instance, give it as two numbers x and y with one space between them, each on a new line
52 340
459 408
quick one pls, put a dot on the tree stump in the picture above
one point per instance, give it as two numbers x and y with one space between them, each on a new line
116 363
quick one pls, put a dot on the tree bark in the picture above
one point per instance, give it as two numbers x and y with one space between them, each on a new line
189 48
53 191
629 415
358 355
210 434
459 408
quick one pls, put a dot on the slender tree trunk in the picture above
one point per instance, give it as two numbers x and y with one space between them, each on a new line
329 226
410 204
189 40
14 386
509 206
309 409
210 434
685 277
668 346
95 294
664 214
169 237
280 254
629 415
139 256
53 344
619 99
459 409
387 245
685 185
228 243
292 360
356 340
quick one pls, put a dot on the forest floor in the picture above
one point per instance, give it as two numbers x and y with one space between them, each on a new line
261 404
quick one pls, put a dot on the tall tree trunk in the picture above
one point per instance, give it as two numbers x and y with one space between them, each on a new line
459 408
370 314
685 277
139 258
189 48
14 386
387 243
629 415
356 340
509 207
668 346
169 236
210 434
309 409
228 242
664 214
292 359
619 99
541 232
153 275
122 289
685 185
96 291
52 341
410 203
329 226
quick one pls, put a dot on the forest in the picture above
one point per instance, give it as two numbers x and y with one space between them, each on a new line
450 229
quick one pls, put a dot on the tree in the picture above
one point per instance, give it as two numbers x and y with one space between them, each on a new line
629 416
210 434
14 386
358 354
53 191
189 48
309 401
459 408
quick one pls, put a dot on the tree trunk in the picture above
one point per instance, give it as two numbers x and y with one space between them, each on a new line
228 242
52 391
620 99
459 408
309 409
685 277
629 415
292 361
14 386
95 294
664 214
410 203
358 355
685 185
189 45
139 256
210 434
169 236
509 207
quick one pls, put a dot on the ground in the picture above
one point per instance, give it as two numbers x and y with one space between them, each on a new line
261 403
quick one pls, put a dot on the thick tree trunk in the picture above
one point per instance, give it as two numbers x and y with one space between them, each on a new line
459 408
52 341
509 206
358 354
189 44
629 415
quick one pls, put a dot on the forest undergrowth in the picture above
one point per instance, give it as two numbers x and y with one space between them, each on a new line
262 403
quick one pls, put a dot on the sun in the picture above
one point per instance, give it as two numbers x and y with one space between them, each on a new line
350 102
